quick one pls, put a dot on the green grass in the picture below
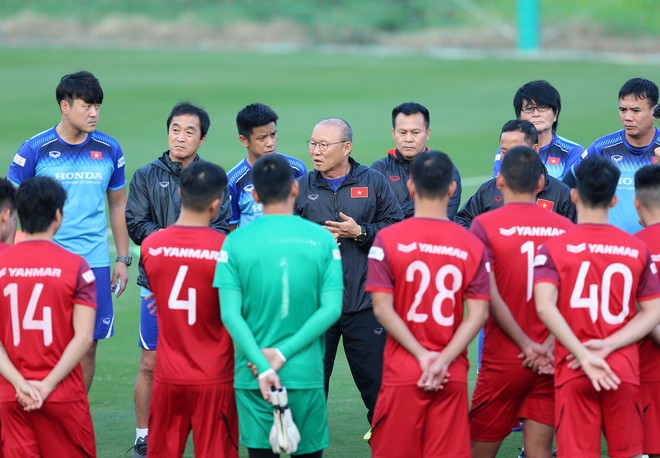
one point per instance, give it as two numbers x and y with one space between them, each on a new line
469 101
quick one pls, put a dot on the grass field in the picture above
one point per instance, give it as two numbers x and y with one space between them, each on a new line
469 101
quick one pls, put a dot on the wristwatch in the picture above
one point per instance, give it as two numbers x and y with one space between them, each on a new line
128 260
362 236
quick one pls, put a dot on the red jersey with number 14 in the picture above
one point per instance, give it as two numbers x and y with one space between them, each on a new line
649 352
600 272
193 344
429 266
39 284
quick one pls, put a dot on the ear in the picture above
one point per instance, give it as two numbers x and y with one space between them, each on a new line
615 200
202 140
637 204
499 181
255 196
393 137
574 196
65 106
348 146
295 189
452 189
536 147
214 206
410 184
540 184
5 215
428 134
244 141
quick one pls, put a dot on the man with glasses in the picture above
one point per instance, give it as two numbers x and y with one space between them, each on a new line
539 103
353 202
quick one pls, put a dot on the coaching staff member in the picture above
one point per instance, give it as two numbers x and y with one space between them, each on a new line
353 202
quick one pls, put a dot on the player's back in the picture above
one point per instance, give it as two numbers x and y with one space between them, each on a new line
511 235
40 283
193 345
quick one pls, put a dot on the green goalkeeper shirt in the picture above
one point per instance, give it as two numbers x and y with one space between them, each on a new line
281 285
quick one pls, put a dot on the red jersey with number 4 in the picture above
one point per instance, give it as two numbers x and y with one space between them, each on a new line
649 352
193 344
600 272
429 266
511 234
39 284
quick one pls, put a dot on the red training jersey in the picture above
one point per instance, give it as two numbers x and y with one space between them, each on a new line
511 235
649 352
429 266
40 283
193 345
600 272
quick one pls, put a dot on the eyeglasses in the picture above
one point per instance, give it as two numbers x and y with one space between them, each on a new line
322 146
530 108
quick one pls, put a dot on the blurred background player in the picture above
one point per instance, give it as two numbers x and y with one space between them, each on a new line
153 204
257 132
47 315
7 214
647 203
90 166
411 133
554 196
628 149
586 286
539 103
418 413
353 202
278 299
506 390
193 379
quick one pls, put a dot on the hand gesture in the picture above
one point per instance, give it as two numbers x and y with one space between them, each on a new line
273 357
346 228
435 373
599 372
28 396
267 381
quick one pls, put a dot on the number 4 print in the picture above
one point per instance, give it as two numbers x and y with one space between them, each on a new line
591 301
190 304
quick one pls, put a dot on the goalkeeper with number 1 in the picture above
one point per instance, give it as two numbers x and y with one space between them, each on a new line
281 287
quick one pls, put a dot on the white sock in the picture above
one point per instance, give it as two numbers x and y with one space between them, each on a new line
141 433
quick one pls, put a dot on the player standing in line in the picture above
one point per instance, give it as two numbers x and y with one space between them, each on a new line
411 133
257 132
506 390
47 315
7 215
90 166
278 299
417 412
153 204
539 103
193 379
586 285
647 203
353 202
628 149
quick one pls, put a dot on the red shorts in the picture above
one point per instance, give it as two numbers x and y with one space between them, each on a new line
57 429
411 422
505 393
651 407
209 410
583 413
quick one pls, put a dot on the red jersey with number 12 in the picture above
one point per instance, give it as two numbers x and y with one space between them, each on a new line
39 284
429 266
600 272
193 345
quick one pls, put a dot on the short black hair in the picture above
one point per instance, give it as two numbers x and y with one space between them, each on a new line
526 127
521 169
541 93
254 115
432 172
187 108
82 85
272 177
656 112
411 108
596 181
201 183
7 195
37 202
640 88
647 186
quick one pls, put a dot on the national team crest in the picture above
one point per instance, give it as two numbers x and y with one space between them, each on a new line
360 192
545 203
98 155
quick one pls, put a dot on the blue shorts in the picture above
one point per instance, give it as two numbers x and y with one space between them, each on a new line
105 317
148 323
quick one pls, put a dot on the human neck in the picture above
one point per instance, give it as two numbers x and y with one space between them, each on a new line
518 198
70 134
591 215
339 173
641 141
193 219
545 138
431 208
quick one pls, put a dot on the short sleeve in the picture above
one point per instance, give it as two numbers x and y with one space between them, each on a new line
379 274
118 177
545 270
23 166
226 274
477 229
479 287
649 285
333 275
85 293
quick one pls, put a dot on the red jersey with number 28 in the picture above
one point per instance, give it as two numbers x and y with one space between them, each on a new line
429 266
193 344
600 272
39 284
511 234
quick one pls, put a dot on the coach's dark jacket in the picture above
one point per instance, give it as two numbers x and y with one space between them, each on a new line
554 194
373 208
397 170
154 203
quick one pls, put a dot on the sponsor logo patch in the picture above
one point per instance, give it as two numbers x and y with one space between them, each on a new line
498 198
540 260
248 188
156 251
377 253
313 196
54 154
406 248
336 254
576 248
88 276
617 158
121 162
394 178
223 257
164 184
20 160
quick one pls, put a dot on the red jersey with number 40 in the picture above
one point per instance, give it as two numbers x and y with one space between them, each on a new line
600 272
429 266
511 234
649 352
193 344
39 284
